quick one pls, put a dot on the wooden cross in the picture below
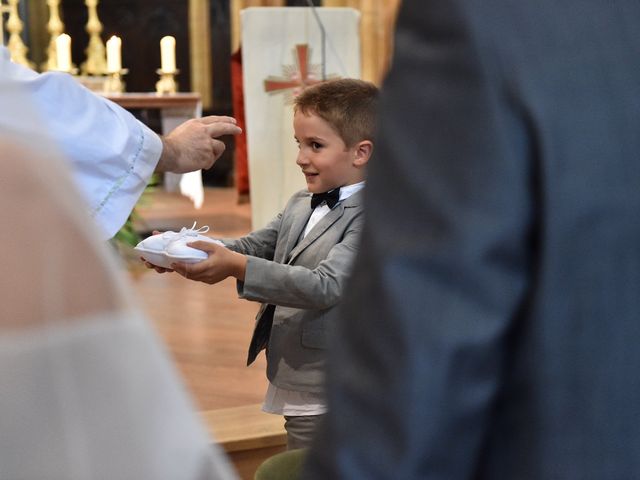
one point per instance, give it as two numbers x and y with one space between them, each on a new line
295 77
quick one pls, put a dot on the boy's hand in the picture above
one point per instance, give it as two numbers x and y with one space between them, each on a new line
155 267
222 263
151 265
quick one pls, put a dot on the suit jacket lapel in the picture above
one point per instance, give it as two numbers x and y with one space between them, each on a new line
326 221
329 219
300 216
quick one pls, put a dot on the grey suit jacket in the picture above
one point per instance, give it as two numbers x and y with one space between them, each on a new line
492 327
299 284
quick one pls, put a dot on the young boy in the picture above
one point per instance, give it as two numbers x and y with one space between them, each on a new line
297 265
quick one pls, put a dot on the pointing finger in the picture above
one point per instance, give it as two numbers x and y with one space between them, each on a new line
218 129
217 119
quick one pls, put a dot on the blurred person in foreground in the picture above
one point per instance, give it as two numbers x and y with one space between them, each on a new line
491 328
88 391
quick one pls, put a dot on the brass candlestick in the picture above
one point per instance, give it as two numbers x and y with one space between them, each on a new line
114 82
167 82
55 27
3 9
96 63
72 71
16 46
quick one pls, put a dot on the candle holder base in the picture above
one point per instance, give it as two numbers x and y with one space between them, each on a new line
114 83
167 82
72 71
95 83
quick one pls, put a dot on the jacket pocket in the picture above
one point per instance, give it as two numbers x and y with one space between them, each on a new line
314 335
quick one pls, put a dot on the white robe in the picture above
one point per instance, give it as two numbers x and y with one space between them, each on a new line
112 154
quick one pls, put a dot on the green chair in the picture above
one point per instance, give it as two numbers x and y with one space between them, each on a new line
282 466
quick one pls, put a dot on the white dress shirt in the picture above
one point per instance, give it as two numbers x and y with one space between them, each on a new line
112 154
291 402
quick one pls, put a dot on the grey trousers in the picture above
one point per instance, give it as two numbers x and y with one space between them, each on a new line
300 430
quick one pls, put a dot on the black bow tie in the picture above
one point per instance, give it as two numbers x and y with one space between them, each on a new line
331 197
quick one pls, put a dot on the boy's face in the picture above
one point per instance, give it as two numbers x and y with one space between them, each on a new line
324 158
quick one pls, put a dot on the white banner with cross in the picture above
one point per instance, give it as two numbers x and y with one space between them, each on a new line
282 53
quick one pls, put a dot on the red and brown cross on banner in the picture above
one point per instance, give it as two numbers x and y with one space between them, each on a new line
295 78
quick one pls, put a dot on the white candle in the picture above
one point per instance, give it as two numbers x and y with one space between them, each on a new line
114 59
168 54
63 52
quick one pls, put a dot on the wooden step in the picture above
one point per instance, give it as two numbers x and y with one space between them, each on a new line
247 434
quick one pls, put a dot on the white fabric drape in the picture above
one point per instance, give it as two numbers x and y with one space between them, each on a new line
270 38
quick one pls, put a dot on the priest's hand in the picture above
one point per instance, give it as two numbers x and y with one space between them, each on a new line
194 145
222 263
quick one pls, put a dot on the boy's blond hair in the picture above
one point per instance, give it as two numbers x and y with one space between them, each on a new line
348 105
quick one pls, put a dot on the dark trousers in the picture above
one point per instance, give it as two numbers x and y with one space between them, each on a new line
300 430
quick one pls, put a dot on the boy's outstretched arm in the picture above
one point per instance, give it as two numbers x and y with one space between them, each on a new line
222 263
